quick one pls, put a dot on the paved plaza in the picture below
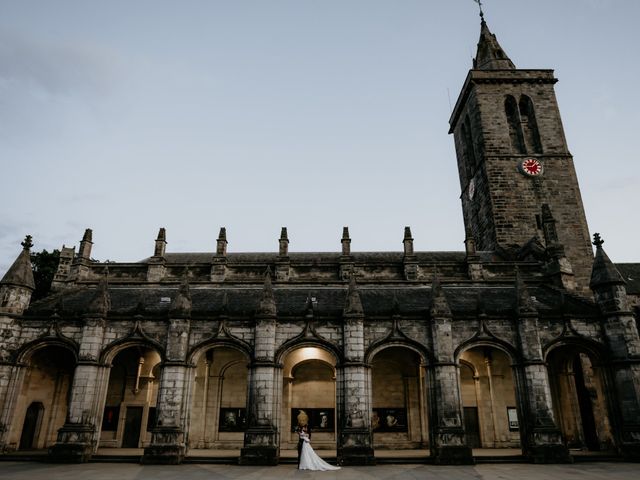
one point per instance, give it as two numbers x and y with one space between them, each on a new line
102 471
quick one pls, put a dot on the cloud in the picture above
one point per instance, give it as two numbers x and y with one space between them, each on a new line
55 69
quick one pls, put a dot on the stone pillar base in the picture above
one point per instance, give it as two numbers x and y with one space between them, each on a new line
630 452
163 455
452 455
260 455
70 453
556 453
74 445
167 447
354 456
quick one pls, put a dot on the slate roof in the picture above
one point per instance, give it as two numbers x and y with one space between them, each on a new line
320 257
291 301
631 274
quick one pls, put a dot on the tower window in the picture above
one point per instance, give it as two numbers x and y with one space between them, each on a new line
469 152
515 126
529 125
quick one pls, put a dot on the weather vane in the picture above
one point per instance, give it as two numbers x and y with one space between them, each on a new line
479 2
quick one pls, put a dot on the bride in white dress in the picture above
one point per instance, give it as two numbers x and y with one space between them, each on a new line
309 459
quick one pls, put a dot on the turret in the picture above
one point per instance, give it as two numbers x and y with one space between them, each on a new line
17 285
85 245
161 244
606 282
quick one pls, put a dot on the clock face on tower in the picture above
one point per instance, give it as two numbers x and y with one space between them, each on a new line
531 167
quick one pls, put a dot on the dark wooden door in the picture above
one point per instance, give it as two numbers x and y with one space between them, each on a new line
472 426
31 425
132 424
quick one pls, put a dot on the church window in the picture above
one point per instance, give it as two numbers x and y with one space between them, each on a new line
469 152
515 126
529 125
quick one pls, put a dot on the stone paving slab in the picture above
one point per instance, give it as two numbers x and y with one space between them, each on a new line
93 471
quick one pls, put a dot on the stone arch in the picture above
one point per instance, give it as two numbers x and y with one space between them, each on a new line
488 374
398 387
110 351
194 354
497 343
580 383
24 353
44 377
412 345
130 390
310 367
219 380
596 349
296 343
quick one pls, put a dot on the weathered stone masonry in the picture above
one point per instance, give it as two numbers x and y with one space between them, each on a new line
523 339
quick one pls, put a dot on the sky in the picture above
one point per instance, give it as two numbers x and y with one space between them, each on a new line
127 116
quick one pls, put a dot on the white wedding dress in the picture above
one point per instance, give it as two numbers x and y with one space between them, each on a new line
309 460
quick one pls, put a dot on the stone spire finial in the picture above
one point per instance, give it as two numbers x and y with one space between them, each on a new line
346 242
181 304
353 304
100 304
439 303
604 271
27 243
524 301
161 243
490 55
284 243
221 243
20 273
549 226
86 244
408 242
267 306
469 242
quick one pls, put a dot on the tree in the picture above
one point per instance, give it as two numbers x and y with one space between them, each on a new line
44 265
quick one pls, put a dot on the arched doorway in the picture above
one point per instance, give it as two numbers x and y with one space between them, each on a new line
578 399
398 407
42 403
489 398
31 426
309 396
130 404
219 403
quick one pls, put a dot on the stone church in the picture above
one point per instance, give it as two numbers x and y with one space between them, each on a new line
524 340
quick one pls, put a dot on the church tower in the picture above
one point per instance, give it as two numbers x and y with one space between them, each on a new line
517 178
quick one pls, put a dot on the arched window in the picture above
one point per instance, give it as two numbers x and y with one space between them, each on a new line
529 125
515 127
467 143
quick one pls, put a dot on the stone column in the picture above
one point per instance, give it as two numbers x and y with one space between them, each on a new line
11 377
355 439
539 433
621 333
261 437
168 442
78 437
448 441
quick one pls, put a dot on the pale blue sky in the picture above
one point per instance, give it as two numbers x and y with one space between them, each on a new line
125 116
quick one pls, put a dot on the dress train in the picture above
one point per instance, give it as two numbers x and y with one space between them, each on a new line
309 459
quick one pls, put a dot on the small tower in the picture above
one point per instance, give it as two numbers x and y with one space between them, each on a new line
64 267
513 158
17 285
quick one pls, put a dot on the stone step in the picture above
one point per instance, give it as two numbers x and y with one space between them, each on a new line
116 458
500 459
213 460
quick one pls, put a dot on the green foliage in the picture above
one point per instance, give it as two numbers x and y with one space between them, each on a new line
44 266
